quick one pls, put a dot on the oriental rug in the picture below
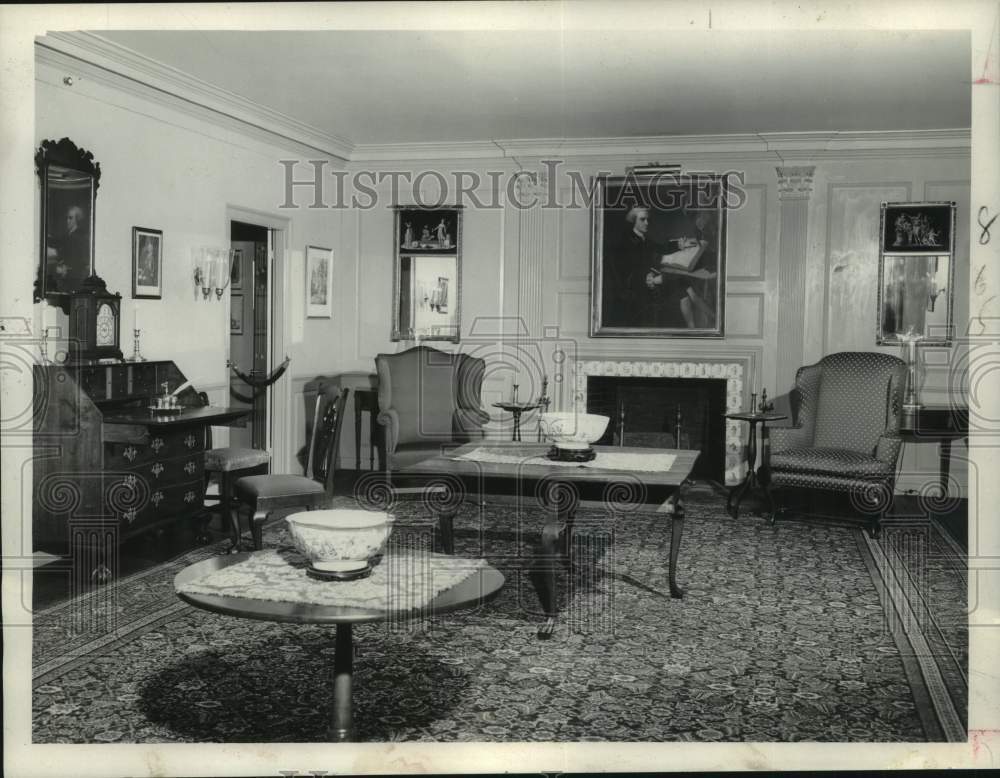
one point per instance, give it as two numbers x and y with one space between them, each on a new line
797 632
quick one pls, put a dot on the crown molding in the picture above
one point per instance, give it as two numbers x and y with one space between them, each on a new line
134 72
776 146
159 79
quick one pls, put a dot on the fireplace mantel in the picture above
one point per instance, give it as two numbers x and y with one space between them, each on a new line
731 371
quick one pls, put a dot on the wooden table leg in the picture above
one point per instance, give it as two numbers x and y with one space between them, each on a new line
553 552
373 433
546 571
675 509
229 510
358 408
342 728
446 531
944 463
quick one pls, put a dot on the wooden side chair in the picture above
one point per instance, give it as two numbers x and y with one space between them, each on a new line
264 494
224 466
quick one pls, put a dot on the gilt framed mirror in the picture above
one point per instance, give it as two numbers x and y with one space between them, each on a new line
69 179
916 273
427 274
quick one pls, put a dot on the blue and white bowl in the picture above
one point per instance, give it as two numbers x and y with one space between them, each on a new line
572 431
339 535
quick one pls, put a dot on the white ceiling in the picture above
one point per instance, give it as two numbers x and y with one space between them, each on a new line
373 87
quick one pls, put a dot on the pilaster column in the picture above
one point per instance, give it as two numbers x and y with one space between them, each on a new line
529 252
795 186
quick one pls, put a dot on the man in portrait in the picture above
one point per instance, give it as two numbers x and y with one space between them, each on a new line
147 273
67 256
649 283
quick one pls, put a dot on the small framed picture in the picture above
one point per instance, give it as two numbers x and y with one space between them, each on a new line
319 282
236 314
236 279
427 230
147 263
917 228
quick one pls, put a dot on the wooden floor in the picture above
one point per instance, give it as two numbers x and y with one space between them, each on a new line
52 582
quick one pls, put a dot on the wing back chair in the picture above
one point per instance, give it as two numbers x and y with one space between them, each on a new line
427 399
847 410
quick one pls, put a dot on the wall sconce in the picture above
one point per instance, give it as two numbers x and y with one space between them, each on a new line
213 269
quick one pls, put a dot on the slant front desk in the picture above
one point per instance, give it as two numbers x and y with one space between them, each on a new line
106 467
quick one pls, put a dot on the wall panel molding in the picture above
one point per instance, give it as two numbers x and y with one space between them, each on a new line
760 275
832 189
795 186
758 332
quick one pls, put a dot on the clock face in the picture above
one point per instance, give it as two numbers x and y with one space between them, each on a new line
105 330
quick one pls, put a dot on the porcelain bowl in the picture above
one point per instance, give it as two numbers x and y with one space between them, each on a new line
339 535
570 430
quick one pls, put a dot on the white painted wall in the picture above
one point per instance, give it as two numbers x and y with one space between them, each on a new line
840 305
165 166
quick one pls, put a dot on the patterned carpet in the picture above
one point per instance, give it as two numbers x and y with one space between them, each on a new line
798 632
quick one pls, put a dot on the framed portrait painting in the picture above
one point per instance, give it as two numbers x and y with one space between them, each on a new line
69 178
147 263
658 255
319 282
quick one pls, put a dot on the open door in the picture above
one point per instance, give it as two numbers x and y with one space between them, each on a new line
250 337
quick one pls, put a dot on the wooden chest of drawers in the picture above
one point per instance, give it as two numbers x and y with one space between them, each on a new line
107 468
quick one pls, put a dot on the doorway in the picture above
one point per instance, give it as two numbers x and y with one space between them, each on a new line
249 331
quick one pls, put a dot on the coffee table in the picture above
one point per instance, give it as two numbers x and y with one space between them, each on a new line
482 586
559 488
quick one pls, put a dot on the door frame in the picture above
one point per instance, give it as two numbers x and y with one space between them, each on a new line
280 397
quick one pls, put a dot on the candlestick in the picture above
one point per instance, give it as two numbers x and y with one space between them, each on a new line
136 354
912 402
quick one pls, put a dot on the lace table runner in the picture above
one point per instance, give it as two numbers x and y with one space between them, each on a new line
400 582
605 460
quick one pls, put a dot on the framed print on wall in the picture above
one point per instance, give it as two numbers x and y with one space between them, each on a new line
916 271
427 298
236 314
658 255
236 277
147 263
319 282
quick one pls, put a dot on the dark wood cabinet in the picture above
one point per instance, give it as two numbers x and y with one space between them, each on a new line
106 467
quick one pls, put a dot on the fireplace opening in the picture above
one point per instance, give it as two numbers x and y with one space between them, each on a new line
687 413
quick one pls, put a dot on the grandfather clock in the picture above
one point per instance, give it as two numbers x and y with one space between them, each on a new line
95 321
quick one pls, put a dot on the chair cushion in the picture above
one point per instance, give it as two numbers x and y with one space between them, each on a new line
226 460
408 454
254 487
830 461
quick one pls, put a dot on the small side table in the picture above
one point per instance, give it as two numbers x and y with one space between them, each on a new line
516 409
756 477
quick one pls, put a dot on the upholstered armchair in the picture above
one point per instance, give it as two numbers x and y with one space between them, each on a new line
428 399
847 411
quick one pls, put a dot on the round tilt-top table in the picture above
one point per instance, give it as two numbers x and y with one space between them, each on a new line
756 477
480 587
